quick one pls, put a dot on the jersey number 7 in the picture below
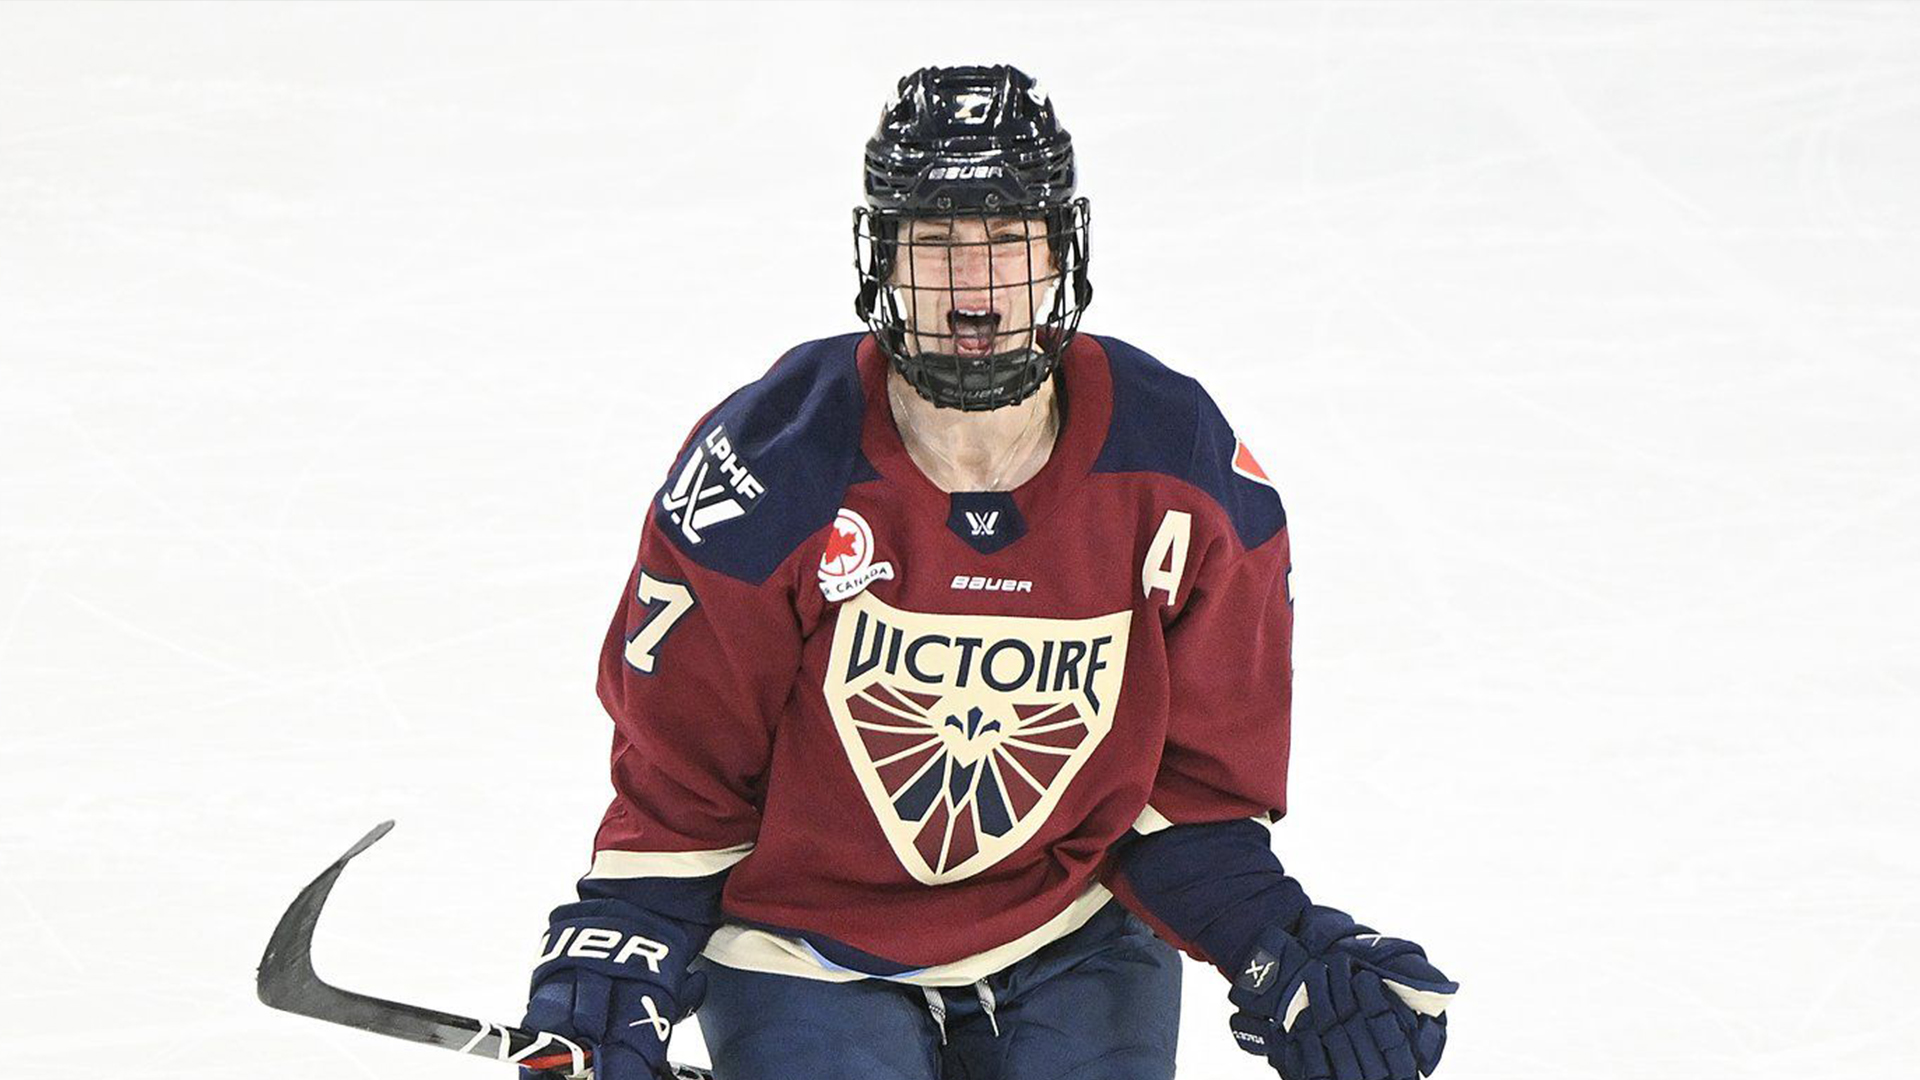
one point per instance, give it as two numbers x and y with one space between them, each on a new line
666 602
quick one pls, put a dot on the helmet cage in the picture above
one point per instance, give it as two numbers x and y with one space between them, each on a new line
895 271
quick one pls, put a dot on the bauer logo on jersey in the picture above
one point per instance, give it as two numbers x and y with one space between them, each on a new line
713 486
846 563
966 730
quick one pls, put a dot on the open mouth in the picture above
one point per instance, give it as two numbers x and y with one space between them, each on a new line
973 330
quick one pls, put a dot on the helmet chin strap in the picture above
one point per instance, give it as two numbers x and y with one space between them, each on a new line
923 438
998 381
1011 376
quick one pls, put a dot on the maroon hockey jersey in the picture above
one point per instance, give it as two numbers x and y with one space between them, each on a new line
908 726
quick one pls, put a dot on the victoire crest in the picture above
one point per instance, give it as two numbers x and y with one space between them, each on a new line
966 730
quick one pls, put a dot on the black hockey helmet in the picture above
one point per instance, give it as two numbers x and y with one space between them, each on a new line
982 145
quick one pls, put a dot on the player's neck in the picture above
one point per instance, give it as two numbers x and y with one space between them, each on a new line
996 450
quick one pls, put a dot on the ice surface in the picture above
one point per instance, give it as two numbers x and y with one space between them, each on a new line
341 346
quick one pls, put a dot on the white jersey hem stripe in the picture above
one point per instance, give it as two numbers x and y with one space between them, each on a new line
672 864
1151 821
777 954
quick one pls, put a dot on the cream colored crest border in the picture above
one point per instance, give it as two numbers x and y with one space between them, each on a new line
1094 697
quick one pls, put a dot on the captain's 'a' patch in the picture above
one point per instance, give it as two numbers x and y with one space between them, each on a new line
713 485
965 731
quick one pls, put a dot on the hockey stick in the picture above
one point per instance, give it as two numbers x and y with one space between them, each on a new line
288 982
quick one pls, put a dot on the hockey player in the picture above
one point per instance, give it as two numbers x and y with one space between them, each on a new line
951 684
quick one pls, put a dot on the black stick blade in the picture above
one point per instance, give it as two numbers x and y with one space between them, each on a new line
286 968
287 982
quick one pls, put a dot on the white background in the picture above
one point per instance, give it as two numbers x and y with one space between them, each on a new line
341 348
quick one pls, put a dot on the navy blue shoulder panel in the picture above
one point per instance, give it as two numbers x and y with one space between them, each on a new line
1163 422
767 469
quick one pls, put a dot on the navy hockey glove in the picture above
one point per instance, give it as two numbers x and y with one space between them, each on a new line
1332 1000
615 981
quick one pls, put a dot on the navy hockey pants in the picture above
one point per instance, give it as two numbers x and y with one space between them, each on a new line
1102 1003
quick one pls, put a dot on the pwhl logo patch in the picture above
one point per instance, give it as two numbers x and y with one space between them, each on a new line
966 730
714 485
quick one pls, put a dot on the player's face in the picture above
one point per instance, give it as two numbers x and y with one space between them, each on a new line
972 284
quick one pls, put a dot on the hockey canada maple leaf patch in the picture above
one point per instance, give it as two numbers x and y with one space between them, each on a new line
966 730
846 562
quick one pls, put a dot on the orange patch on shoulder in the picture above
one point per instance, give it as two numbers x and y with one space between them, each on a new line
1244 464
